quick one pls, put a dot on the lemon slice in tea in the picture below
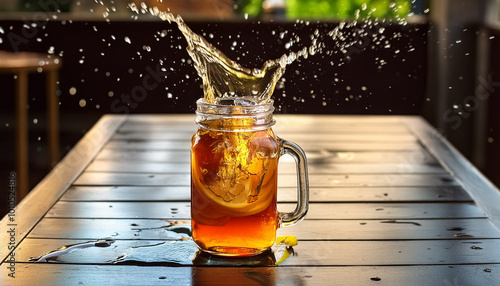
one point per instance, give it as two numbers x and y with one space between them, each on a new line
236 199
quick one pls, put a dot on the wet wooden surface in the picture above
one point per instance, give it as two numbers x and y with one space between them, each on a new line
391 203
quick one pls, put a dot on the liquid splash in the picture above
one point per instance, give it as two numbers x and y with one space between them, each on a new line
225 81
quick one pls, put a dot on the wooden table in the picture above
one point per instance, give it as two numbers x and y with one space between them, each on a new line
391 202
20 65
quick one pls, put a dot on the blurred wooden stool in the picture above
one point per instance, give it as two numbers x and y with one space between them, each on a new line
21 64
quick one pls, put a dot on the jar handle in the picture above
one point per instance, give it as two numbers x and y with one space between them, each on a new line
294 150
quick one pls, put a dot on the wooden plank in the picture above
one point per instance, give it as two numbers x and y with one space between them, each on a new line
189 128
379 194
481 190
321 119
325 156
181 210
126 166
285 119
318 253
164 210
46 193
57 274
154 141
126 193
388 194
155 229
295 123
185 128
371 230
315 180
145 156
161 136
285 167
131 179
93 229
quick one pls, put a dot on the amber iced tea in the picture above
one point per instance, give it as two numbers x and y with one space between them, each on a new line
234 177
234 183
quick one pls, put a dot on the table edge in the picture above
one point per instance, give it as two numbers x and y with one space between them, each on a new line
34 206
482 191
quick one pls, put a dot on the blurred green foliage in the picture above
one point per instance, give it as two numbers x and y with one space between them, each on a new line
334 9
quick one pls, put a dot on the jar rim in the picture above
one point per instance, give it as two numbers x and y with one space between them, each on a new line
204 107
261 116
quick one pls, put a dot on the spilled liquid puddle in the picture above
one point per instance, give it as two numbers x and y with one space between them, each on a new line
53 255
185 252
167 253
179 252
172 229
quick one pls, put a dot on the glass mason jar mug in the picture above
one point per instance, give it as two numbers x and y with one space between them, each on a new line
234 177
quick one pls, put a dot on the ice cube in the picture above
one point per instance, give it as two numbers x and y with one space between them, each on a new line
244 102
235 101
